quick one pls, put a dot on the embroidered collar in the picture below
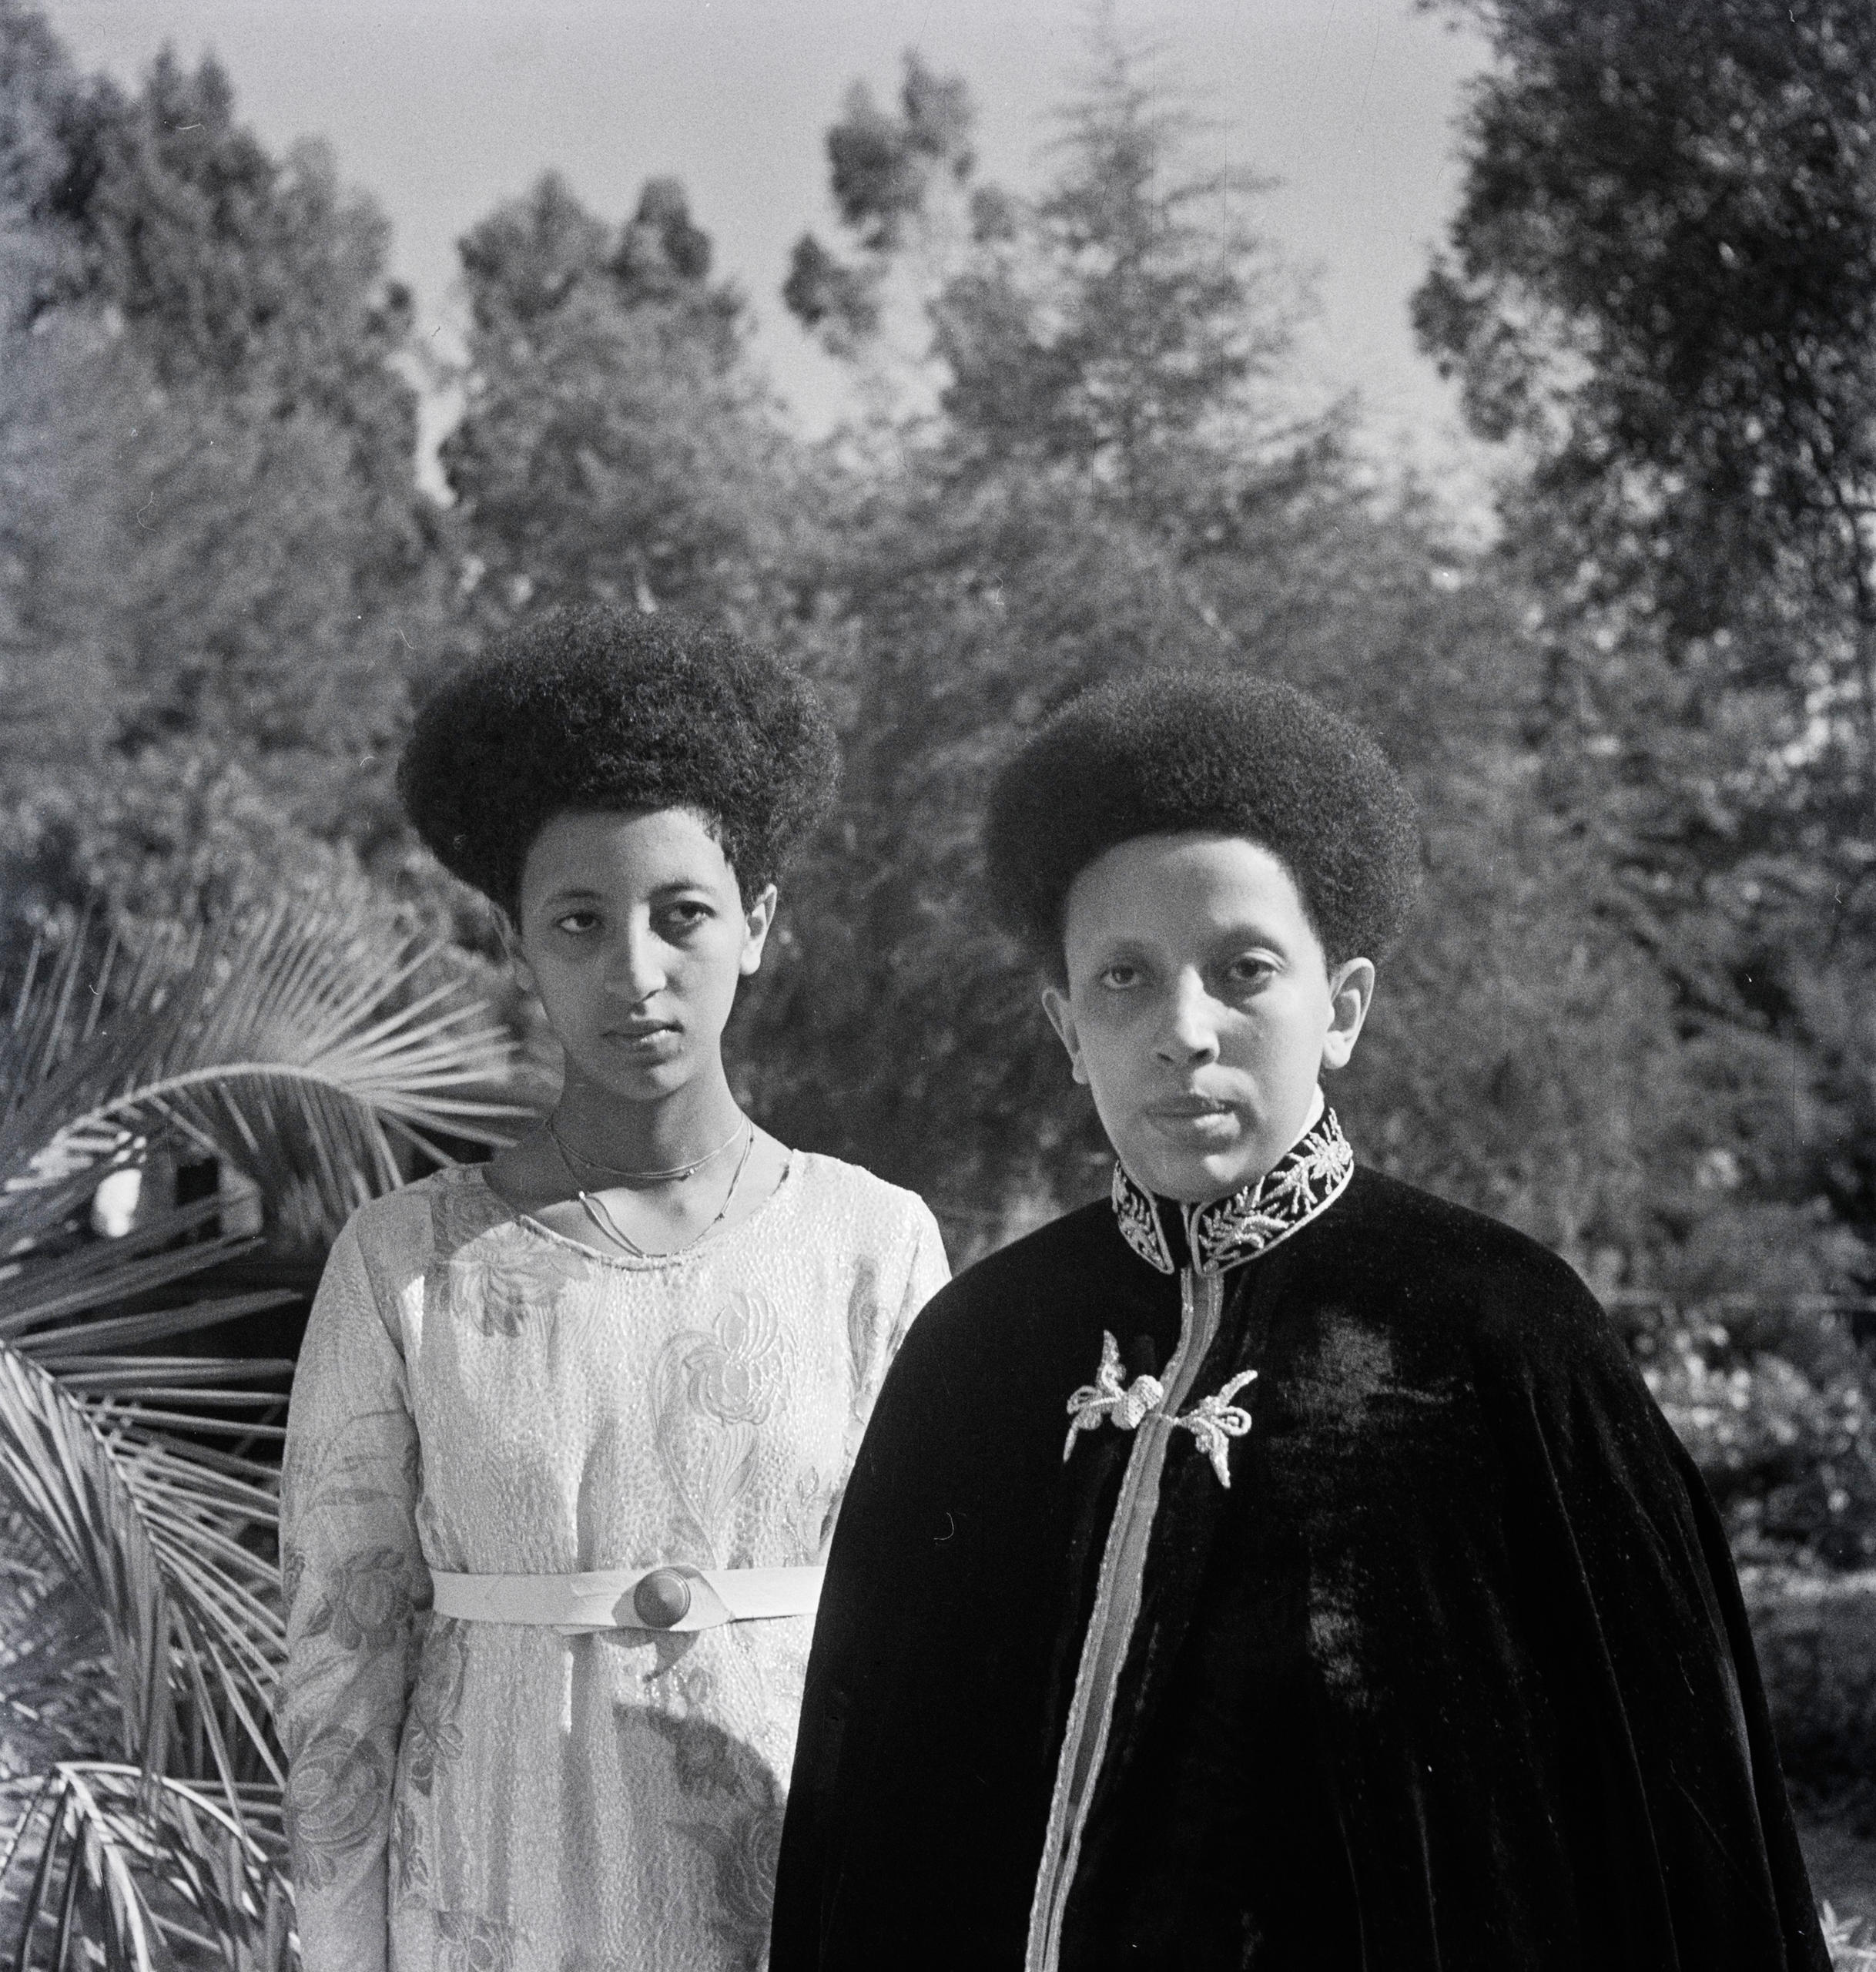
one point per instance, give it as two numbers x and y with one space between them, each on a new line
1309 1176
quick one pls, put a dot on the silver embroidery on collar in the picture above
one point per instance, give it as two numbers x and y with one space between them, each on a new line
1309 1176
1138 1212
1214 1421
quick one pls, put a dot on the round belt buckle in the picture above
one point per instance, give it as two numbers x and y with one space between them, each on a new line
662 1599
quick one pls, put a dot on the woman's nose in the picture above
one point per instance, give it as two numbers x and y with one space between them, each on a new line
1190 1032
637 971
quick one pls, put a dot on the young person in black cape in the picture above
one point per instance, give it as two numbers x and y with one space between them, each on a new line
1272 1566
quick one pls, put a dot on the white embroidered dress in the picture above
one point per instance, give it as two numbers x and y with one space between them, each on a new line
478 1394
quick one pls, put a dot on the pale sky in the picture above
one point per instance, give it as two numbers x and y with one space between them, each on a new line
441 109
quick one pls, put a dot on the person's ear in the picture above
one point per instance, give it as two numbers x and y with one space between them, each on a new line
1351 991
756 921
1055 1004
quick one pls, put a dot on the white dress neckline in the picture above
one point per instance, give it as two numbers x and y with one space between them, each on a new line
785 1186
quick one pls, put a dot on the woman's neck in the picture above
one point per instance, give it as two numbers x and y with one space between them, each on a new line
673 1130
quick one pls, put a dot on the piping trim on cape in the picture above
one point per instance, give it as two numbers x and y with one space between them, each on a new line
1220 1236
1110 1627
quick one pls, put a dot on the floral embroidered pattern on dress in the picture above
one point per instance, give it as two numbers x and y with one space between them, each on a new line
1214 1421
476 1943
744 1851
434 1735
502 1283
367 1603
337 1792
741 1833
714 1390
408 1867
1138 1212
1308 1178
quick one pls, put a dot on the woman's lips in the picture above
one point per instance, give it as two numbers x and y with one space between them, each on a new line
645 1039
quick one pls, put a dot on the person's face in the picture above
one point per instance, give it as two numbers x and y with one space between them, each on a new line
633 933
1199 1009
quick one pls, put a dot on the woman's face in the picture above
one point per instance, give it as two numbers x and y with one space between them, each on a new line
634 934
1200 1009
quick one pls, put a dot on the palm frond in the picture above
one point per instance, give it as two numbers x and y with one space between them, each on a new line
55 1684
102 1864
304 1050
139 1607
139 1522
120 1491
1843 1938
119 1458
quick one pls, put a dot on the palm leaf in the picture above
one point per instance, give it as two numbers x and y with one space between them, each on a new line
192 1631
120 1483
306 1051
147 1878
138 1478
1843 1939
54 1681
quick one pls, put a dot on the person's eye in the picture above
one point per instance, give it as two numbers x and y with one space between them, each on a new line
576 923
687 915
1121 976
1249 969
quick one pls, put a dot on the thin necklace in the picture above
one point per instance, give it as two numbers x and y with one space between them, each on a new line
676 1172
598 1211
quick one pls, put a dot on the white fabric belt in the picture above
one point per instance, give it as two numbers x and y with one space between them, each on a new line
673 1596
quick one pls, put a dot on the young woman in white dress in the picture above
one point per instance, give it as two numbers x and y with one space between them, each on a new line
569 1430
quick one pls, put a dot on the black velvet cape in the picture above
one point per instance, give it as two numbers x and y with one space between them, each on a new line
1455 1675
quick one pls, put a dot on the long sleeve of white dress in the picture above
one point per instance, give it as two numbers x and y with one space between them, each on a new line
478 1394
356 1586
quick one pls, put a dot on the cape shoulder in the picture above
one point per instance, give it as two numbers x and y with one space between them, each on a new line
1501 1314
1499 1302
1426 1248
1503 1291
994 1300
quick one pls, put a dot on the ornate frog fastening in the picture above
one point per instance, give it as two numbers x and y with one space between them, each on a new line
1214 1421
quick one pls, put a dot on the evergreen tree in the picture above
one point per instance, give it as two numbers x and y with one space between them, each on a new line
1116 477
616 444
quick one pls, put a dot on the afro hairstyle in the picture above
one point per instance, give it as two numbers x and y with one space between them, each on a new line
611 711
1214 752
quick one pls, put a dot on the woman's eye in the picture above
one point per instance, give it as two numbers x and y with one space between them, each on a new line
1120 976
687 917
1249 971
576 923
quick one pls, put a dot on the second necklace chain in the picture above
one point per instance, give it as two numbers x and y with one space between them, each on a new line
600 1213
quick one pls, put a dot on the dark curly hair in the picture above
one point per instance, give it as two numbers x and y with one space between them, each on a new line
1172 752
604 710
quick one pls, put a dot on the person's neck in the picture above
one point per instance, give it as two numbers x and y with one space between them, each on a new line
673 1130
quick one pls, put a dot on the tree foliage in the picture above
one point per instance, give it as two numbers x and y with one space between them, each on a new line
1662 279
215 556
1117 476
1663 272
616 444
